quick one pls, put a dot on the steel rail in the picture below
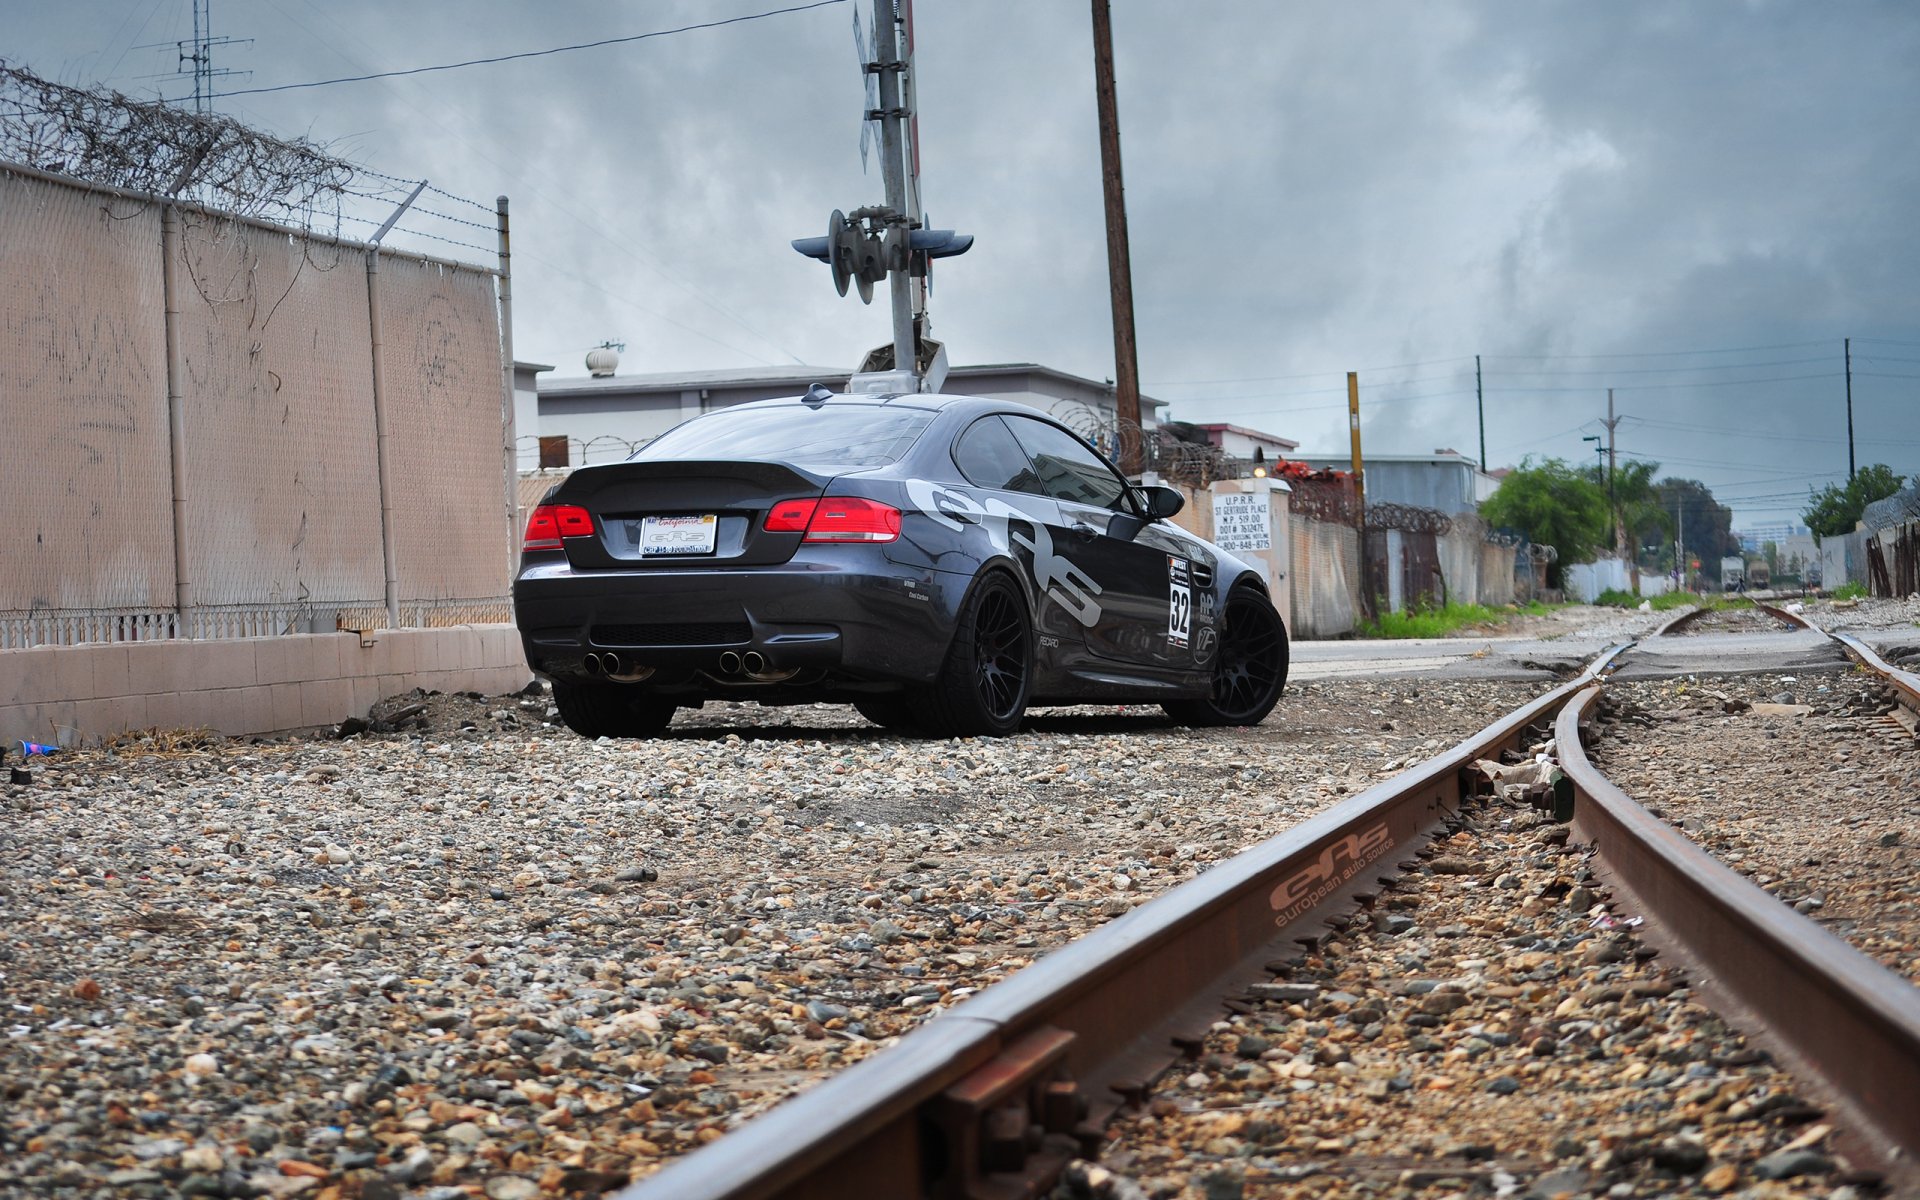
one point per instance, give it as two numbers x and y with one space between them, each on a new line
1688 616
1904 682
996 1094
1838 1017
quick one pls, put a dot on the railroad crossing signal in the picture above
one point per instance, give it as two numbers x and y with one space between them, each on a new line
865 248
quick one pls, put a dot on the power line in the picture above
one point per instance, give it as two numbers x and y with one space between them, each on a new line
532 186
1662 353
1431 362
1669 387
480 62
1610 372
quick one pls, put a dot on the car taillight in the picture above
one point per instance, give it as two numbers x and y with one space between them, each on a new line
851 519
836 519
790 516
548 523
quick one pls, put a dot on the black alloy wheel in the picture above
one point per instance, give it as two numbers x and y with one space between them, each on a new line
1251 668
988 673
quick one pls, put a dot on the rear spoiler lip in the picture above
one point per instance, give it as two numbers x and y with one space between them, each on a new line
588 482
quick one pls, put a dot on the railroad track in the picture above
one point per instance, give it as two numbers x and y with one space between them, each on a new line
999 1095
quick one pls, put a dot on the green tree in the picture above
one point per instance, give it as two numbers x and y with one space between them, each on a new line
1554 504
1836 508
1638 515
1706 525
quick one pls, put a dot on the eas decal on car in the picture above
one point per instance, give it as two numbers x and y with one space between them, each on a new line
1059 580
1179 601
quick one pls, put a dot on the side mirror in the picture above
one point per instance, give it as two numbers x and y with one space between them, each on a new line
1161 501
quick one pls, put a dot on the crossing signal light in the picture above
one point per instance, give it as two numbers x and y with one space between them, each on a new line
863 258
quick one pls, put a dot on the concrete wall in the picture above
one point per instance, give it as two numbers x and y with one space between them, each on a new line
1585 581
79 694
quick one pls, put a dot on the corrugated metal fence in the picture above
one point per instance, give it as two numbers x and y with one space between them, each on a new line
193 442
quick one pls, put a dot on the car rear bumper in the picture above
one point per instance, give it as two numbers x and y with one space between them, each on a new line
845 610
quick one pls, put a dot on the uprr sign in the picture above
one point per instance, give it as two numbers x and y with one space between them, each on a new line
1241 521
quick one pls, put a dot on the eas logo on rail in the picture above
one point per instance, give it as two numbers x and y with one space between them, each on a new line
1337 864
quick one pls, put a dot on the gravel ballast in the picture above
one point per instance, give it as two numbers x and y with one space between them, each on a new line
1489 1027
467 953
1804 783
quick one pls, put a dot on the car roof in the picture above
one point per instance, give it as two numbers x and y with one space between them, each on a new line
930 401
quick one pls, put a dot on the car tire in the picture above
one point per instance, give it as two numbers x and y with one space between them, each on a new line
1251 668
610 710
987 675
893 712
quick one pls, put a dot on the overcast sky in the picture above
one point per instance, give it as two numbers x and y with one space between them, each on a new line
1692 203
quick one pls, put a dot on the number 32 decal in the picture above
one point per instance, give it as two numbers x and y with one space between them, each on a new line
1179 602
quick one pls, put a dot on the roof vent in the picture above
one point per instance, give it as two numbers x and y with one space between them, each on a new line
602 359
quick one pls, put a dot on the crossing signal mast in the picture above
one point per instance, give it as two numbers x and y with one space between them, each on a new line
890 242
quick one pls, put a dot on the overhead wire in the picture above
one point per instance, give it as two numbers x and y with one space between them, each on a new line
644 259
500 58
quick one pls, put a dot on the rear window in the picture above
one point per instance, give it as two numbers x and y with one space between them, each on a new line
833 437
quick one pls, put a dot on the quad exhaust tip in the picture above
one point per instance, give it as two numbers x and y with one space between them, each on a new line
753 662
593 664
730 662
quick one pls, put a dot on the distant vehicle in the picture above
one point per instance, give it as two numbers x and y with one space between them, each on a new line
939 562
1759 576
1733 573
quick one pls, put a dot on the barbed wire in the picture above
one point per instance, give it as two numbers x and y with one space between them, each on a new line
1330 500
410 184
103 137
1408 518
107 138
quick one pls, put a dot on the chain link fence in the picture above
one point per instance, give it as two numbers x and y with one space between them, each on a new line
194 431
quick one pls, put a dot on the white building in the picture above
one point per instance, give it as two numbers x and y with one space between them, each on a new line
604 418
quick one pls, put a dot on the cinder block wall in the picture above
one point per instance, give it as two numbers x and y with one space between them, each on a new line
244 685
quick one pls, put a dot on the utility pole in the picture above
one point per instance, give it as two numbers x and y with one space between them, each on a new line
1353 423
1480 403
1679 544
886 32
1619 525
1368 601
1126 362
1847 346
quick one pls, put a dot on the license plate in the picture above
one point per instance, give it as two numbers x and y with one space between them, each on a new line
677 535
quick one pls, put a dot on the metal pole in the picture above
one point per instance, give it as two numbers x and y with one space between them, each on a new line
176 417
1679 543
1613 463
1353 424
1126 361
510 439
886 31
1363 591
1847 345
383 429
399 212
1480 403
909 99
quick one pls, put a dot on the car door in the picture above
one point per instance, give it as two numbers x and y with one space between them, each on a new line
1008 489
1145 596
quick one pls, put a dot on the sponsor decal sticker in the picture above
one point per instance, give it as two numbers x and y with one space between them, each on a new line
1179 601
1205 644
1338 863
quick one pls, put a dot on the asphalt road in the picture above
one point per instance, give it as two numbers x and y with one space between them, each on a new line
1545 659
